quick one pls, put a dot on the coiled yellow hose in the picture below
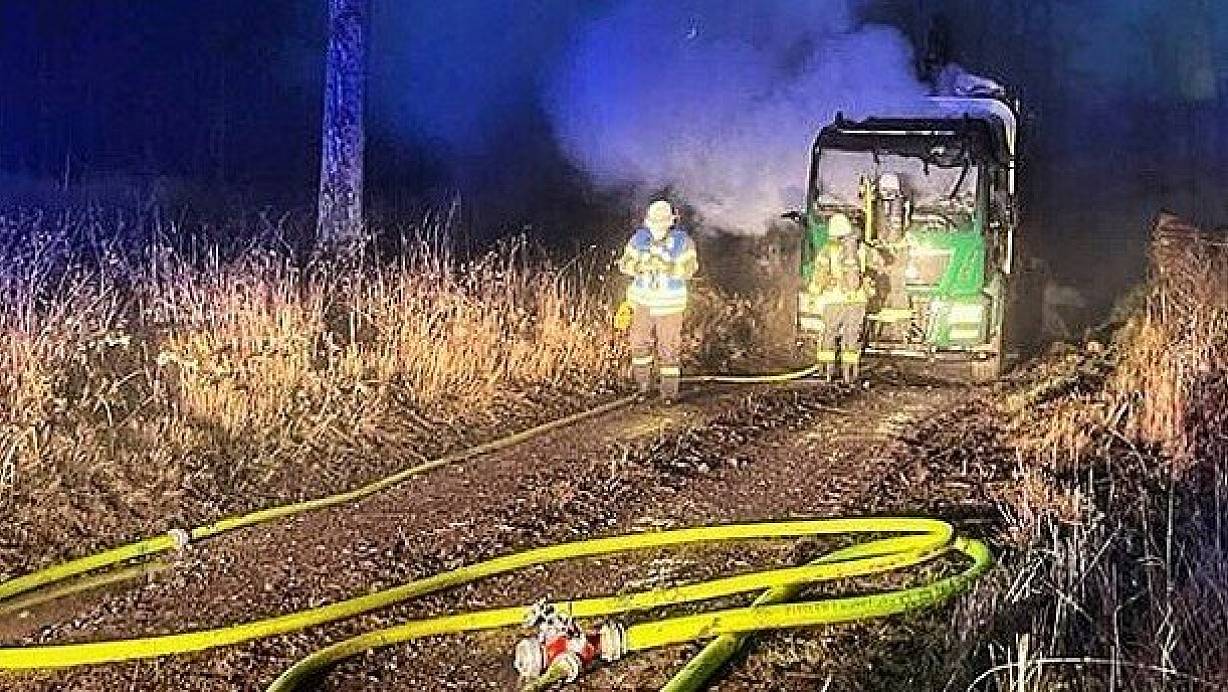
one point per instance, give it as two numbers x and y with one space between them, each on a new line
928 538
924 540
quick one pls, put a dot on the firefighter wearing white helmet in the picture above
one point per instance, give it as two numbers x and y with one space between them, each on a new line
660 258
839 280
892 211
892 311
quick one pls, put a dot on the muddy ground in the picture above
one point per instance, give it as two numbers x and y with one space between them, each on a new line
722 455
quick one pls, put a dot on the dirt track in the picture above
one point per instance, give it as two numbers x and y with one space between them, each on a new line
724 455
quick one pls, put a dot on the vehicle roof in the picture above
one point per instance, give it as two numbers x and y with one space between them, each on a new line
941 140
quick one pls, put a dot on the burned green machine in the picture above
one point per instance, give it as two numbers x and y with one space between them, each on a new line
933 197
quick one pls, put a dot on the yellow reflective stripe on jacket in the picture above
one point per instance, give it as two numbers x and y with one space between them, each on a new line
628 263
687 263
857 296
666 310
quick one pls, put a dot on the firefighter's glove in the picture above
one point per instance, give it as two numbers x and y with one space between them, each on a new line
622 317
654 264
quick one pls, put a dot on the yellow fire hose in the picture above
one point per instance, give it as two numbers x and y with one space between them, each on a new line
160 544
927 538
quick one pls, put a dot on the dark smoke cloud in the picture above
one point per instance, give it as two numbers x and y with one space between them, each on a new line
720 101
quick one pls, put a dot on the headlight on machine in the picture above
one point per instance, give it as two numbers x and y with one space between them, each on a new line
966 313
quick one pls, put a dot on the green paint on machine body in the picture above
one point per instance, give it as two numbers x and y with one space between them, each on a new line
962 284
815 238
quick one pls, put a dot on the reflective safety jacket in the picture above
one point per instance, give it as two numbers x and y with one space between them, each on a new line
838 279
659 270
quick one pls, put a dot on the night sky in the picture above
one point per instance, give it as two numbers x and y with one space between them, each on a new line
219 102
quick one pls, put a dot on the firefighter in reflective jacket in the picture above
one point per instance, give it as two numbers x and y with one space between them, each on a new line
839 278
659 258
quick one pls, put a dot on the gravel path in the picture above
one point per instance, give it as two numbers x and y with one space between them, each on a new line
725 455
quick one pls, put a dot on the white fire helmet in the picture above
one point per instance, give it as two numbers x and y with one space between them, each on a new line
889 186
660 217
839 226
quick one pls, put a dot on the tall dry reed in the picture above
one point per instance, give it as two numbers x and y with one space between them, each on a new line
141 372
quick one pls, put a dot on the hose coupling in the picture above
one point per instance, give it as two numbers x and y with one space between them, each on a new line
560 645
530 658
569 665
612 642
180 537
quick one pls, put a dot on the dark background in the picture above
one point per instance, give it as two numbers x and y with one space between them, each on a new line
216 104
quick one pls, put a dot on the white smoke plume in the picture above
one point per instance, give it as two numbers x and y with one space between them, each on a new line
721 101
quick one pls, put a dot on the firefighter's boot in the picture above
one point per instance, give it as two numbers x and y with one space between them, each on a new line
670 377
641 372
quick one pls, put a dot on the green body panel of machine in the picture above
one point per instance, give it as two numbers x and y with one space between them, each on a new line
814 238
958 304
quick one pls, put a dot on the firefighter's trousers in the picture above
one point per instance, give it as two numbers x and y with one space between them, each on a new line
840 341
656 340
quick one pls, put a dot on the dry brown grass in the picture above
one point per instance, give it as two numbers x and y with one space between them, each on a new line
1115 512
1034 498
1171 372
731 332
127 376
1167 383
256 345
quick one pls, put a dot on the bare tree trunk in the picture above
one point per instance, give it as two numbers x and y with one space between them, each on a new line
340 221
